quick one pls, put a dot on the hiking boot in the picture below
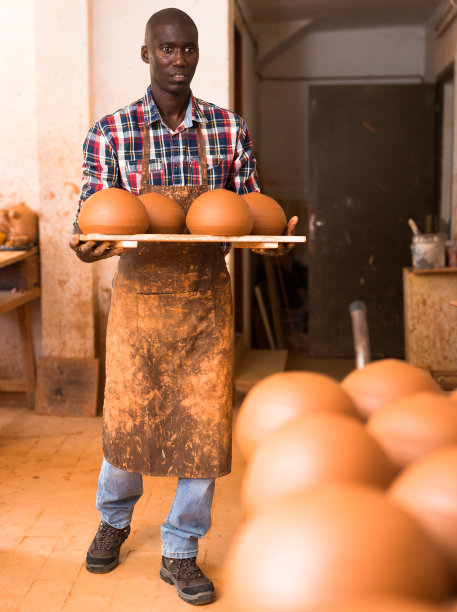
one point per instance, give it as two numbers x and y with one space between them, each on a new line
103 553
191 583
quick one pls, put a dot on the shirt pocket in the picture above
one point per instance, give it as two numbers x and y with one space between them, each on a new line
218 169
166 318
134 169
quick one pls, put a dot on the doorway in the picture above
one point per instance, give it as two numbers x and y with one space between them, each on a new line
371 169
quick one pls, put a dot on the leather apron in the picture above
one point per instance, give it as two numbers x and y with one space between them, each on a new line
168 394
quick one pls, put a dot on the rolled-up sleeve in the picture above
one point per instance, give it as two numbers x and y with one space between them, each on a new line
243 174
100 166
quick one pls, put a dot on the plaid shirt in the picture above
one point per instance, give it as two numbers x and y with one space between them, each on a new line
113 149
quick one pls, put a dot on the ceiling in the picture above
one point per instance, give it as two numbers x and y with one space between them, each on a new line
345 13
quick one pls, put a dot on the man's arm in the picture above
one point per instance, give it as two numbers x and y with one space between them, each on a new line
100 171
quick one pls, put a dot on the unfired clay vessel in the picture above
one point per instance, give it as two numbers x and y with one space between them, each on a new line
113 211
281 397
414 425
269 217
316 448
383 381
219 212
165 214
343 540
428 490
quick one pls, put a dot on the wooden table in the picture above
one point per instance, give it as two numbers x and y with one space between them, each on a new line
19 285
431 321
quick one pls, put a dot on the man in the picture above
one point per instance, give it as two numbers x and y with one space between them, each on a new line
167 409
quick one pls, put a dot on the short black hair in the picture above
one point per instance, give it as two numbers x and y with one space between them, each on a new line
168 16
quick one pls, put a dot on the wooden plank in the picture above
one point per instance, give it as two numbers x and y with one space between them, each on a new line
9 257
13 385
10 300
257 364
25 326
434 270
275 304
67 386
258 241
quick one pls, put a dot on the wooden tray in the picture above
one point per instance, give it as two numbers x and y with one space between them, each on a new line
246 242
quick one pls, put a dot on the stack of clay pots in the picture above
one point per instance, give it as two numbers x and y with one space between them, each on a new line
218 212
349 493
117 211
224 213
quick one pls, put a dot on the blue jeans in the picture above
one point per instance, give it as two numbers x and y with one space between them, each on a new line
189 517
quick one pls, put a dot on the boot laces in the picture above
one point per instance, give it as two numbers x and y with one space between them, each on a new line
187 569
109 537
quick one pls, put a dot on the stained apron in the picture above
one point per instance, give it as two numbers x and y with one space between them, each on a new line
168 393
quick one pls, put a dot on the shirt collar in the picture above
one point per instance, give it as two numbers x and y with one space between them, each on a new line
193 112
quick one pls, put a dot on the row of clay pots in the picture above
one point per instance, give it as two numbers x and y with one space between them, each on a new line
218 212
349 493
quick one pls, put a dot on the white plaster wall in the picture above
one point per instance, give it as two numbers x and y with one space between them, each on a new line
394 51
18 163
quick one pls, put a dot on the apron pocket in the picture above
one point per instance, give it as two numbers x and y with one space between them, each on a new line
170 317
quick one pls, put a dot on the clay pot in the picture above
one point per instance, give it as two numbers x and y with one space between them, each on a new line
412 426
383 381
331 544
316 448
382 604
428 490
113 211
165 214
282 397
219 212
23 222
269 217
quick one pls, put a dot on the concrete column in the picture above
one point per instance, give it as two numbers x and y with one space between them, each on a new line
62 110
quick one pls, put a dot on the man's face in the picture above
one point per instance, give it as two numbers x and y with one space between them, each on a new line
172 55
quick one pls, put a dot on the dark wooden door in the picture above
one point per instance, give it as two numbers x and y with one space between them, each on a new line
371 169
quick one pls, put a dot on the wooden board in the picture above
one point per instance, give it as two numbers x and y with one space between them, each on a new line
247 242
257 364
67 386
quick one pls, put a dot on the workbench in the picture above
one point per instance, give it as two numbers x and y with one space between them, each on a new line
19 285
431 322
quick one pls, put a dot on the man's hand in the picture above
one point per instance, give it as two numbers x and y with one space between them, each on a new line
283 247
92 250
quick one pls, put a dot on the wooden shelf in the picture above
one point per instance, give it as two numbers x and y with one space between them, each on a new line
20 284
9 257
10 301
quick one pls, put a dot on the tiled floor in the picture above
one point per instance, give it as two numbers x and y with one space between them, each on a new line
48 476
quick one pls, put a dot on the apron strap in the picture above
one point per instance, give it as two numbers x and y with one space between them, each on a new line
146 150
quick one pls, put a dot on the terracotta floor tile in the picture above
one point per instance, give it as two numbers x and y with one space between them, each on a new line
61 565
88 603
10 604
46 596
11 536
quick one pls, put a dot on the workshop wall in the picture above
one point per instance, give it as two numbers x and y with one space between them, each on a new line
375 55
440 55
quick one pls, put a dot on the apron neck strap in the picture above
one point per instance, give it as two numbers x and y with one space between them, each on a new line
147 147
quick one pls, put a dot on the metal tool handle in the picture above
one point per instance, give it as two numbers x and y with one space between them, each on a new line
360 334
